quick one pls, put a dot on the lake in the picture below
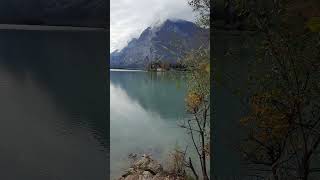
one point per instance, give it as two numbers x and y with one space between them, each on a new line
145 110
53 105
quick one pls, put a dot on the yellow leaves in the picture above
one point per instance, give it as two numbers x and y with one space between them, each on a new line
245 121
208 68
193 100
201 68
314 24
205 67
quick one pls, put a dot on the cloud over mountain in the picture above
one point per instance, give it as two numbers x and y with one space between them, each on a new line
129 18
167 42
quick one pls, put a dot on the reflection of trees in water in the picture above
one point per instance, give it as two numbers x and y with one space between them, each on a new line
161 92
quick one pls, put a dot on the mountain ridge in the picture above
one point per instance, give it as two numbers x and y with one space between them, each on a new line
166 42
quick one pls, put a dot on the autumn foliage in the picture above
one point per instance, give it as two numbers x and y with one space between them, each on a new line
283 122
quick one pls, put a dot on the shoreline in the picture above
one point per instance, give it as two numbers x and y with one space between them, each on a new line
141 70
133 70
27 27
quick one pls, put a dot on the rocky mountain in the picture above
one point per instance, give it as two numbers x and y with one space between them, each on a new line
88 13
166 42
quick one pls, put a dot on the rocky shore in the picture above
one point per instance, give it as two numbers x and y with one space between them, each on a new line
147 168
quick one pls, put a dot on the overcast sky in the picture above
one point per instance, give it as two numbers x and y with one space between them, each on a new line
128 18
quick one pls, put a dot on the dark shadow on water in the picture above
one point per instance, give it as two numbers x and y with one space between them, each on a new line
53 104
233 53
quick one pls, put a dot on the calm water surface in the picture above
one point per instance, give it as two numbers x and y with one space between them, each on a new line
145 109
53 105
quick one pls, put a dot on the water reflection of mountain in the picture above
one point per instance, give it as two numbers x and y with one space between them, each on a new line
53 105
155 92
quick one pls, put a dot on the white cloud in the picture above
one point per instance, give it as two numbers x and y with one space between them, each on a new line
128 18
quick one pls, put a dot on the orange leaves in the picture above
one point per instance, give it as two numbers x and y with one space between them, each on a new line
194 101
204 67
270 123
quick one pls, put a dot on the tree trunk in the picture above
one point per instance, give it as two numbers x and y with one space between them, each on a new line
306 170
275 174
204 162
193 170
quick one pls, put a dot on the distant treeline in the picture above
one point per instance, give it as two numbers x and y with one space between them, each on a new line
165 66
